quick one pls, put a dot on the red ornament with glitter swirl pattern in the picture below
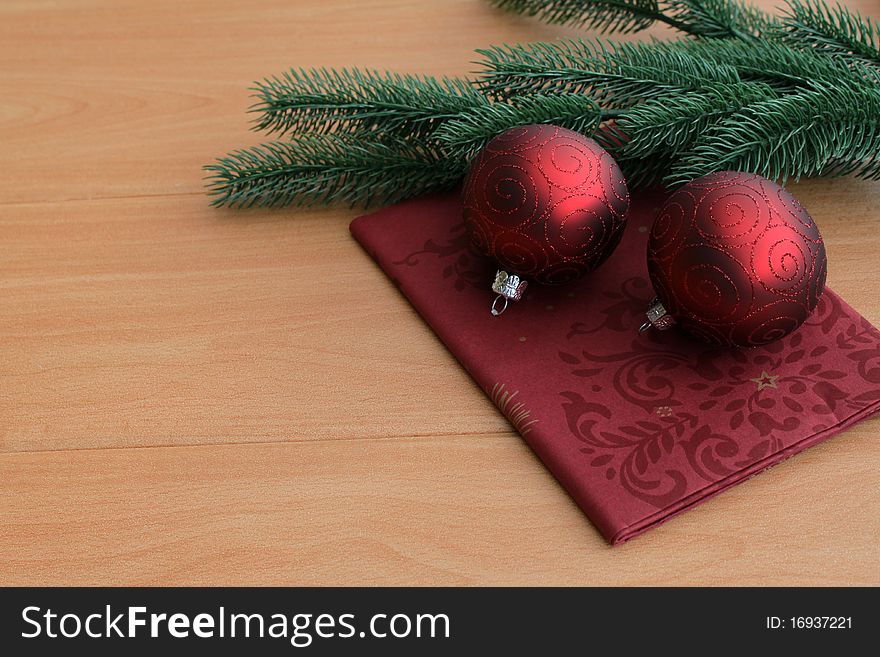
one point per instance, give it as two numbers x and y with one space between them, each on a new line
546 203
736 260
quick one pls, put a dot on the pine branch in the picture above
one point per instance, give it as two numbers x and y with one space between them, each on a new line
474 128
718 19
639 171
642 173
614 74
330 168
831 30
347 101
673 124
823 132
703 18
622 16
788 98
780 64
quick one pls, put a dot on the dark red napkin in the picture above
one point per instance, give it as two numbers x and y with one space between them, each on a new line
637 428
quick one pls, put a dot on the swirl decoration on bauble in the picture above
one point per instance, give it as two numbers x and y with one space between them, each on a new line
735 260
548 204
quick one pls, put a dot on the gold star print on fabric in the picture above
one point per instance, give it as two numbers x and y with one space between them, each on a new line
765 380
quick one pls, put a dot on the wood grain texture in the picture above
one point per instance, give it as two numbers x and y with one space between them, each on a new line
423 510
200 396
157 321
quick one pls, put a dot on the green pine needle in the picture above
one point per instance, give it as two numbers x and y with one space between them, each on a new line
622 16
718 19
704 18
348 101
786 98
474 128
615 74
823 132
328 169
832 30
639 172
780 64
674 123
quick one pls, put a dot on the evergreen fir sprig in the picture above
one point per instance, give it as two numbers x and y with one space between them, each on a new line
832 30
352 100
789 97
617 74
832 131
330 168
704 18
472 129
622 16
661 125
718 19
639 171
780 64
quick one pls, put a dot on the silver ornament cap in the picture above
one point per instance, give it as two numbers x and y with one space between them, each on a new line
507 287
658 318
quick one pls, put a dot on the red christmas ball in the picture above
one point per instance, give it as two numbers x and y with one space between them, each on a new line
546 203
736 260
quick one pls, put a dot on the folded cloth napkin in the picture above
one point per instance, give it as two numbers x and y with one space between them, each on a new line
637 428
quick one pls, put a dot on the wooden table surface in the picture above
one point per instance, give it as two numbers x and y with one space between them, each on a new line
198 396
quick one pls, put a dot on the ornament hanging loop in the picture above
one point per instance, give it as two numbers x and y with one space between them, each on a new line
498 311
507 287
